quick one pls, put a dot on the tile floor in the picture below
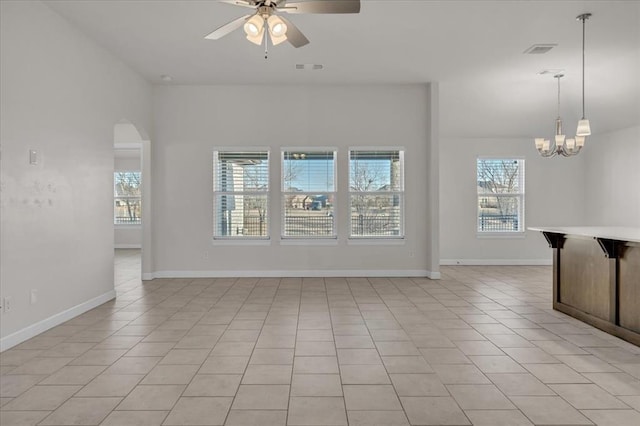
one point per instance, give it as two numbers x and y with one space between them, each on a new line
481 346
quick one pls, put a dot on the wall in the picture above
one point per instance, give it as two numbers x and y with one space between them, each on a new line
61 94
554 196
127 236
613 178
191 121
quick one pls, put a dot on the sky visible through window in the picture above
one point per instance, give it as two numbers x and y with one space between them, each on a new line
316 175
309 175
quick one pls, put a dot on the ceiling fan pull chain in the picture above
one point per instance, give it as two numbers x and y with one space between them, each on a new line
266 46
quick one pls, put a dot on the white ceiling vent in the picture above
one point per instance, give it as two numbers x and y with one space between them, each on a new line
553 71
539 49
309 67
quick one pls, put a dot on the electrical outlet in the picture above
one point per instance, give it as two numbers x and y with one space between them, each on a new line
34 296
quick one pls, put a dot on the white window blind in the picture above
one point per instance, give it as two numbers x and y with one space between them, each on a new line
376 192
240 194
127 198
500 185
308 193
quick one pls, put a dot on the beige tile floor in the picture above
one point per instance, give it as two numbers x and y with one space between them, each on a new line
481 346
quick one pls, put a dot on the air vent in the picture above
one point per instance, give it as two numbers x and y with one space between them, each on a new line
551 71
309 67
539 49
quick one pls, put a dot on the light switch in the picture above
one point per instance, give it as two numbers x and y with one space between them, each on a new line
33 157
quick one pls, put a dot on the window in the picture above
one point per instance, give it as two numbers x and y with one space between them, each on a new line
376 192
308 193
127 200
240 194
500 195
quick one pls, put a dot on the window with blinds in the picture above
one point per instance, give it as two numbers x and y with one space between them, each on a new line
500 186
376 192
308 193
241 194
127 198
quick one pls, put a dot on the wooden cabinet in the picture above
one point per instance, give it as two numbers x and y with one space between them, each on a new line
596 277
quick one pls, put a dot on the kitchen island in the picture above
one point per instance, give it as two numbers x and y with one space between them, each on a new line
596 276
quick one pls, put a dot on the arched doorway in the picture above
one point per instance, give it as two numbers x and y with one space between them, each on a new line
132 189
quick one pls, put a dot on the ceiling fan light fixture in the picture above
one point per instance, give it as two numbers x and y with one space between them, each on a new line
256 39
277 29
254 26
265 24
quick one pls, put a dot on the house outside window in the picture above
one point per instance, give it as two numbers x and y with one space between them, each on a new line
376 193
500 188
127 202
308 193
241 194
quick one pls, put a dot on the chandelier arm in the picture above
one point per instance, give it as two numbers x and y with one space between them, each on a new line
548 154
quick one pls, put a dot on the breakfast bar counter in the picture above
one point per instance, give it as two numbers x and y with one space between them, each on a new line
596 276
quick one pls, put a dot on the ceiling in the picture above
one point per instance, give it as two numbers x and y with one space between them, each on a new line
473 49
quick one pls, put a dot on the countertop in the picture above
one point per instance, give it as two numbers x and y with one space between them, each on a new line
608 232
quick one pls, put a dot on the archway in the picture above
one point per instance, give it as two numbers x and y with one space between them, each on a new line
132 142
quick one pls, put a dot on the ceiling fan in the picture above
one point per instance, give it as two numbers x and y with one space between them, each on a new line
267 21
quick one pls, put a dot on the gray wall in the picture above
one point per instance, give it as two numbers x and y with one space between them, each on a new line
191 121
554 196
612 178
61 95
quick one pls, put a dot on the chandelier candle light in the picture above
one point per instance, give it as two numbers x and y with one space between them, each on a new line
567 147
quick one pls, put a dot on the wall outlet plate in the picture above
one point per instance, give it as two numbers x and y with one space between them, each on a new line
8 303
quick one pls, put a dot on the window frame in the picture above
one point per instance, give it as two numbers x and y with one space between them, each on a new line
241 238
401 194
319 239
138 222
519 195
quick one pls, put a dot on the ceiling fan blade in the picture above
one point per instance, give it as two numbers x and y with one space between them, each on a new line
242 3
227 28
317 6
294 35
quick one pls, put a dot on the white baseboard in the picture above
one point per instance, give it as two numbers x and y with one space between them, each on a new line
127 246
295 274
496 262
27 333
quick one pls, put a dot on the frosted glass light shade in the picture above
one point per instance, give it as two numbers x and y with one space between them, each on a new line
584 128
571 143
254 25
546 145
559 140
254 28
277 29
539 143
257 39
580 141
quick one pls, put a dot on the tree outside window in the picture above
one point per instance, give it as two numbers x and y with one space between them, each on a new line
241 187
376 188
308 193
127 198
500 187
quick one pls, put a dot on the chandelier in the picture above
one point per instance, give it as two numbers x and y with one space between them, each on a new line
562 145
